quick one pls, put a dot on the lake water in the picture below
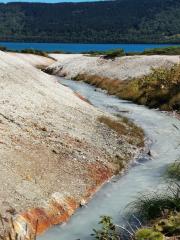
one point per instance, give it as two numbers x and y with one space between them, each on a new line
77 48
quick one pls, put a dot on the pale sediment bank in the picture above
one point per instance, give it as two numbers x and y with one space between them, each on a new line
70 65
147 80
34 60
54 150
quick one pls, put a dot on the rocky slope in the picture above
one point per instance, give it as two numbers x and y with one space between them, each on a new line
55 151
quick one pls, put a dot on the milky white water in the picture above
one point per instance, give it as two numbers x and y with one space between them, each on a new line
164 133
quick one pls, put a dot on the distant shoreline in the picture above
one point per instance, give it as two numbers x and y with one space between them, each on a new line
81 47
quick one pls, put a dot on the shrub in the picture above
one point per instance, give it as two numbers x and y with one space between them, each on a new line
109 54
112 54
170 225
173 171
173 50
2 48
148 234
107 231
152 205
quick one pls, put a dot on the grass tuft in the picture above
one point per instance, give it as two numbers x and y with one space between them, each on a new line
173 171
153 205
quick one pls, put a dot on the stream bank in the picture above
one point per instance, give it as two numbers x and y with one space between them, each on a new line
112 199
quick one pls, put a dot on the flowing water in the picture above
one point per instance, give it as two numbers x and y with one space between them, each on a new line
112 199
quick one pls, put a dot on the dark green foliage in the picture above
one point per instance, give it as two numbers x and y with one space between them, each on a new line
107 21
3 48
162 205
107 231
174 50
173 171
159 89
109 54
152 205
148 234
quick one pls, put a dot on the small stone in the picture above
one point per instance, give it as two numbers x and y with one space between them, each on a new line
54 151
44 129
82 203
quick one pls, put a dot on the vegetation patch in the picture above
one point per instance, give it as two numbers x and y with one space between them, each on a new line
134 134
36 52
152 205
160 210
173 50
107 231
113 53
159 89
173 171
109 54
2 48
148 234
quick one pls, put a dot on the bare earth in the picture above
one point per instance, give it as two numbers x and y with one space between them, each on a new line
54 152
69 65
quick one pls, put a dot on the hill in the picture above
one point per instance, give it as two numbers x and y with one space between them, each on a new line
108 21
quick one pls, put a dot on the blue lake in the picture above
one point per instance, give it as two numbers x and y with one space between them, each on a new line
77 48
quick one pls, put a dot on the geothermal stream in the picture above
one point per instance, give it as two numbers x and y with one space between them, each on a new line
164 134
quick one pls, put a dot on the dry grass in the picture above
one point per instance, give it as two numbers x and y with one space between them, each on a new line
102 82
123 126
9 232
159 89
133 135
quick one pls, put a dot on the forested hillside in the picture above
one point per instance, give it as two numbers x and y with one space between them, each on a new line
109 21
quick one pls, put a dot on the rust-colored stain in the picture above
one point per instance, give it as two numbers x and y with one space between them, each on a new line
60 208
82 98
36 218
99 174
40 219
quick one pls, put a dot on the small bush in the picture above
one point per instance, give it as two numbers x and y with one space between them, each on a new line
109 54
2 48
173 50
107 231
173 171
152 205
148 234
169 226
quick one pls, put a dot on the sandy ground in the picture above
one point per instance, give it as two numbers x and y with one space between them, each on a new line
51 144
69 65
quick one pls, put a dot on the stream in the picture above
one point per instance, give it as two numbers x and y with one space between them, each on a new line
164 134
